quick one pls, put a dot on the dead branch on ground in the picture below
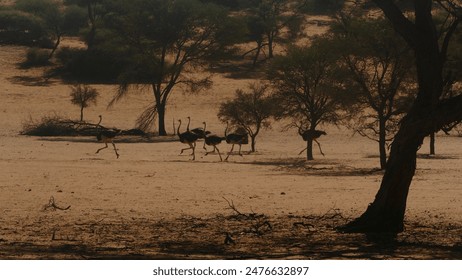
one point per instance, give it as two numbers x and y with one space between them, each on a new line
52 205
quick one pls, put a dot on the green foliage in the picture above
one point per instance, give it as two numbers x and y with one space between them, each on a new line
19 27
75 18
376 73
303 81
165 42
94 65
250 110
57 19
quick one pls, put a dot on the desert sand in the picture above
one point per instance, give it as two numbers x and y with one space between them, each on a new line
154 203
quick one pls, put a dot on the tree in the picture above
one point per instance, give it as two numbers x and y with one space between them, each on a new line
250 110
19 27
167 42
304 85
267 20
57 18
83 96
428 113
376 73
95 11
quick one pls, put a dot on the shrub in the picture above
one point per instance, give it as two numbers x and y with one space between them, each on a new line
36 57
20 28
49 126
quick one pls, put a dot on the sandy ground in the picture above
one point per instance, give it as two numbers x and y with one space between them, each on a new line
116 203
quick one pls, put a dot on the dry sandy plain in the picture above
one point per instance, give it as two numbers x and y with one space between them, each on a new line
153 203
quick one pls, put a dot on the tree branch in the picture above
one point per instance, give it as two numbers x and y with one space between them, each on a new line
400 23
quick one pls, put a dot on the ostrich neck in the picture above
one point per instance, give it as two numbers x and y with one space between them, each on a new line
178 128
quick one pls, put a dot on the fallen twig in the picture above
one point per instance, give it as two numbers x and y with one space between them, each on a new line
51 205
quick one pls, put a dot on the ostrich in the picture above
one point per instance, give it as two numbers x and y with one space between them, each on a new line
308 135
106 136
212 140
189 138
199 131
235 139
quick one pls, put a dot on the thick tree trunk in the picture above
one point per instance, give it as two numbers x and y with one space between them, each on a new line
161 119
386 213
252 145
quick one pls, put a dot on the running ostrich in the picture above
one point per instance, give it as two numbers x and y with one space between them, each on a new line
106 136
212 140
201 133
312 135
235 139
189 138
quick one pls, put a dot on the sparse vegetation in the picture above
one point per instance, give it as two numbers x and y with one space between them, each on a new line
359 71
52 125
36 57
83 96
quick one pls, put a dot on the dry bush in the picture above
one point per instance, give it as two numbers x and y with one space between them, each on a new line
49 125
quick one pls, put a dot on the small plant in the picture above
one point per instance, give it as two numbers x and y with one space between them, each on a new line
36 57
83 96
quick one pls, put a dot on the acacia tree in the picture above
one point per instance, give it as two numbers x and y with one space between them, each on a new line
428 113
57 18
168 40
303 84
267 20
376 67
250 110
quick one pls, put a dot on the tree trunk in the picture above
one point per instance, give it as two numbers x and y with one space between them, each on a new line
309 149
386 213
55 47
257 54
252 145
382 145
270 46
161 119
432 143
81 114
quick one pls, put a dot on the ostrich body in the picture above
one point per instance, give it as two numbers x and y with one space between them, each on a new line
212 140
189 138
235 139
106 136
308 135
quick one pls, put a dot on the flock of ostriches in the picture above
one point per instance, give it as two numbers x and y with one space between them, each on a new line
189 137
